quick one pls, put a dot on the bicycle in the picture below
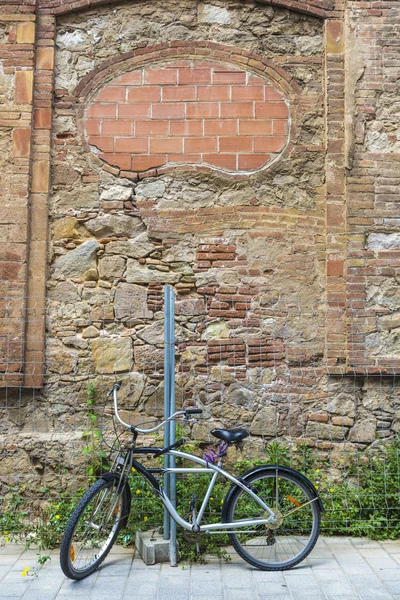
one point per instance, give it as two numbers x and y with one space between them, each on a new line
271 513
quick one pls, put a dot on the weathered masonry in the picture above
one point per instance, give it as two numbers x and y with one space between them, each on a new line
247 153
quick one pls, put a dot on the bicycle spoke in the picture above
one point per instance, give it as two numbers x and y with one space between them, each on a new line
288 538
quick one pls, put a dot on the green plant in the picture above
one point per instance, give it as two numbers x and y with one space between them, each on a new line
361 496
97 457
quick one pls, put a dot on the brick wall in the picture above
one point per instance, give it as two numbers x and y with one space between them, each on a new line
188 112
373 183
358 66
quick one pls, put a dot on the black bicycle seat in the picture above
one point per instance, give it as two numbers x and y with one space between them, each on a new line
230 435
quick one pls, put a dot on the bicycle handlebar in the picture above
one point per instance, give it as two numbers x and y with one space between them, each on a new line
185 411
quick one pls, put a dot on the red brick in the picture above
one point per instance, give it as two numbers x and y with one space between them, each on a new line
186 128
168 111
230 77
184 158
202 110
133 78
133 111
237 109
150 93
271 110
249 162
23 87
271 93
255 127
45 58
138 146
254 80
106 144
10 271
117 128
179 93
145 162
269 144
123 161
220 127
151 128
92 126
335 268
194 75
280 127
246 92
334 215
99 111
161 76
212 92
165 145
223 161
21 143
235 144
208 144
42 118
112 94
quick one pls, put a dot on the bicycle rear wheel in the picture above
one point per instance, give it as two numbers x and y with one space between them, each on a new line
288 542
93 527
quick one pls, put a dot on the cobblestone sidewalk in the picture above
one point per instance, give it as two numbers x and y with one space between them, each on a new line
339 568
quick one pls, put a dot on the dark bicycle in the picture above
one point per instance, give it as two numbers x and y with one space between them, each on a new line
271 513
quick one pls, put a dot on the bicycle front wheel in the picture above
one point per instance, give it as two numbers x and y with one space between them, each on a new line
279 546
93 528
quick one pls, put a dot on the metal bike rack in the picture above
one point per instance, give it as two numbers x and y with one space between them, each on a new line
169 409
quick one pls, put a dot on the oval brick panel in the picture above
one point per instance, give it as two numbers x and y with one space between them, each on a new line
188 113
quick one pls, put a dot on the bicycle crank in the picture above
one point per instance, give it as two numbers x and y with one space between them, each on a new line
190 536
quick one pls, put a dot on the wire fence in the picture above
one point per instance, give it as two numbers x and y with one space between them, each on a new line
290 372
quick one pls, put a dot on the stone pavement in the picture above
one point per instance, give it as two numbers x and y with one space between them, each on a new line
338 569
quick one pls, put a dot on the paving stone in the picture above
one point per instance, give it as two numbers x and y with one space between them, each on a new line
173 593
342 575
15 590
272 588
240 594
393 586
40 595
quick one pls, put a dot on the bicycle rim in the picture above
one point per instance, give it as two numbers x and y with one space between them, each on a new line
96 528
292 538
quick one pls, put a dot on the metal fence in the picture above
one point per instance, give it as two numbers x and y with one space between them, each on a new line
265 366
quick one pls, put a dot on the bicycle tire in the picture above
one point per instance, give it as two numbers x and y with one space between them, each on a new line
103 496
265 540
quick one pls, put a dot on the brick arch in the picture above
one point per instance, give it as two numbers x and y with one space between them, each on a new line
315 8
246 150
143 55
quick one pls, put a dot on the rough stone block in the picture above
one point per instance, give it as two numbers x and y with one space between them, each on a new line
112 355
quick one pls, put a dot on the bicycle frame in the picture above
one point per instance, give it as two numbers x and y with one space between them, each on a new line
210 468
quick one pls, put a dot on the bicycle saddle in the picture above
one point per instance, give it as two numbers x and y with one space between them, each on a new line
230 435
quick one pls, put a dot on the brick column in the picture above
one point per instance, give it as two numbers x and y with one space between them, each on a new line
37 264
17 58
336 243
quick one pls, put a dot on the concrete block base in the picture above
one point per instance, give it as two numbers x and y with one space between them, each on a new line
152 547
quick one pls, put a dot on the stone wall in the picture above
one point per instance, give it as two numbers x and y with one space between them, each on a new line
244 153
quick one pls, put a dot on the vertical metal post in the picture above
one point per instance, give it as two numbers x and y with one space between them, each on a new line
167 398
172 434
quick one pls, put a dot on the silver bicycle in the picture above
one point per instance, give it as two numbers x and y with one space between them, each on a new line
270 513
